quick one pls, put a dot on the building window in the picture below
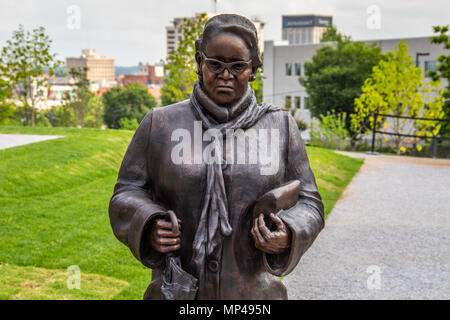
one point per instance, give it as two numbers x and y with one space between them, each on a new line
297 37
303 36
291 38
284 34
309 35
289 69
170 31
297 102
429 66
305 103
288 102
298 69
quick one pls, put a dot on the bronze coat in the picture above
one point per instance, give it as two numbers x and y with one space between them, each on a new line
149 184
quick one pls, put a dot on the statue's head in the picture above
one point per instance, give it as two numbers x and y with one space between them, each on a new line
227 55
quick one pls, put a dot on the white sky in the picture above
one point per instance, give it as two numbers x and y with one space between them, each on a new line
134 30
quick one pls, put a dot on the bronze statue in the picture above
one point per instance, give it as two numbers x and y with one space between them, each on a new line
241 223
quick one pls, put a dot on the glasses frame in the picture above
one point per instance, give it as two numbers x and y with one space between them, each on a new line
225 65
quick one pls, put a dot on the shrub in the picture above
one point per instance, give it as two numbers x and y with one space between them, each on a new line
330 132
128 124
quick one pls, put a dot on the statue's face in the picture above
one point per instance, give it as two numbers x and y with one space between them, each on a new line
227 86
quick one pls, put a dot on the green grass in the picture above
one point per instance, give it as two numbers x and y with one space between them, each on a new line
333 173
54 199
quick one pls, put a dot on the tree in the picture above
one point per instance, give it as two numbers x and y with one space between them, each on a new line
332 35
257 86
334 77
131 102
6 107
80 104
396 88
181 66
26 58
95 112
443 70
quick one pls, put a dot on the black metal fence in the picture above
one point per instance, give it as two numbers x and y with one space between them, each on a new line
434 139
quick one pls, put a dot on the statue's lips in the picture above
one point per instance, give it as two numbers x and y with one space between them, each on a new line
225 88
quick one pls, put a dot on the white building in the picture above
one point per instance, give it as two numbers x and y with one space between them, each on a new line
284 64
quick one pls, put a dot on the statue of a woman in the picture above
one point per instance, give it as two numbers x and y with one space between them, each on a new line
197 158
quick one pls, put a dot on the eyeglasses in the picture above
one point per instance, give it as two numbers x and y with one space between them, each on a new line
217 66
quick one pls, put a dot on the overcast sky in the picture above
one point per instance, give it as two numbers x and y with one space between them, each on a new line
134 30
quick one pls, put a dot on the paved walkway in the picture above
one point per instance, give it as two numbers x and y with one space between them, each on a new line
13 140
388 237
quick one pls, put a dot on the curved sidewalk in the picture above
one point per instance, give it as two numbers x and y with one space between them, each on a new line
13 140
388 237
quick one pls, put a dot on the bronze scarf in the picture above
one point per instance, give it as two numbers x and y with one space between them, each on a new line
213 225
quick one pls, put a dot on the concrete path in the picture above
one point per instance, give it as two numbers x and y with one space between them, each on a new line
13 140
388 237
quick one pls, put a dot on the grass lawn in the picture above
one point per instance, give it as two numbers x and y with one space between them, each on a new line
54 199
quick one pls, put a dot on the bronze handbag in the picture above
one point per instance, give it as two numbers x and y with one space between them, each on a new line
177 283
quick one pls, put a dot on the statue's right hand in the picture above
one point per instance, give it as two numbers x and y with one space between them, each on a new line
162 239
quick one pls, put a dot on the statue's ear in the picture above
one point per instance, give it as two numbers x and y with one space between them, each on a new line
198 58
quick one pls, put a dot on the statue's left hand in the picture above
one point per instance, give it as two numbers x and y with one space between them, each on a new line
273 242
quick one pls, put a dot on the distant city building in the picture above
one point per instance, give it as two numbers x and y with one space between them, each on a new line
100 69
284 64
61 88
150 76
174 32
304 29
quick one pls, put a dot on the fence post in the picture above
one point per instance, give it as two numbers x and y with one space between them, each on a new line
373 132
434 147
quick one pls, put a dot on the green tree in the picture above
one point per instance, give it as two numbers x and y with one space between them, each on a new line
181 66
83 96
257 86
26 59
131 102
334 77
396 88
332 35
95 112
443 70
6 107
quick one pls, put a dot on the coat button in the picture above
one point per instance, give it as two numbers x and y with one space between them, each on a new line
213 266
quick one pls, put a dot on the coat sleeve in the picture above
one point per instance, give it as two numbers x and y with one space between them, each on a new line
306 218
131 208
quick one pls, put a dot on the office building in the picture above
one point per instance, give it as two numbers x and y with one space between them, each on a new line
174 32
304 29
100 69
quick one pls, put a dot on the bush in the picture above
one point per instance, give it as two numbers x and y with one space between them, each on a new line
302 126
128 124
62 116
330 132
